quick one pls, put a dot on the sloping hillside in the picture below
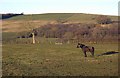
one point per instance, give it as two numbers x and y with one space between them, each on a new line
55 16
49 16
22 22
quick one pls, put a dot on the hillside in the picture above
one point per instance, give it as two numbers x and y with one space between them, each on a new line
21 23
56 16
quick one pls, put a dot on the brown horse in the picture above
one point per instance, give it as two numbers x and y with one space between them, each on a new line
86 49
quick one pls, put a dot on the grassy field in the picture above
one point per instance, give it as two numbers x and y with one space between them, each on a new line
20 58
58 60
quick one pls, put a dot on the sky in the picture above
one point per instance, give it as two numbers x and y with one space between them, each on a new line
105 7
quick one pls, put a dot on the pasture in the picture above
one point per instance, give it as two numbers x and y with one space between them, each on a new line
58 60
45 58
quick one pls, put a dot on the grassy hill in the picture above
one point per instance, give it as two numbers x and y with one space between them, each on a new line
49 16
20 23
55 16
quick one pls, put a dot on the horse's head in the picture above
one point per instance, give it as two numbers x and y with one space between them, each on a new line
80 45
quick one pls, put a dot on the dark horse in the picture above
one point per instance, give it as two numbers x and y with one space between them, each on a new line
86 49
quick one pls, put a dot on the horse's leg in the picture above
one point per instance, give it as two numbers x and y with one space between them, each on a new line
93 51
85 53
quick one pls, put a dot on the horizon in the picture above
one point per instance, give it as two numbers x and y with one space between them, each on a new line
58 13
101 7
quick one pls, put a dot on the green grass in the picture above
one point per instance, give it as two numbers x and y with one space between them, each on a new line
58 60
78 17
49 16
82 18
8 37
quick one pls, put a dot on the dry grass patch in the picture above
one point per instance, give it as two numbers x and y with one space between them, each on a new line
20 26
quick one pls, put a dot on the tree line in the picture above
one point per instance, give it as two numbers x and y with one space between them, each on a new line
8 15
78 32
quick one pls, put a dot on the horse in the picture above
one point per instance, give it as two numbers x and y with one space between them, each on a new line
86 49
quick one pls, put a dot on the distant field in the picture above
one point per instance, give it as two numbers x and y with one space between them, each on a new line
21 26
58 60
49 16
55 16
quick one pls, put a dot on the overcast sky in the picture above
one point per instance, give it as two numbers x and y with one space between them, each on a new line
106 7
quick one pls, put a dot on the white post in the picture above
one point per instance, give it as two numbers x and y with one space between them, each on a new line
33 38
